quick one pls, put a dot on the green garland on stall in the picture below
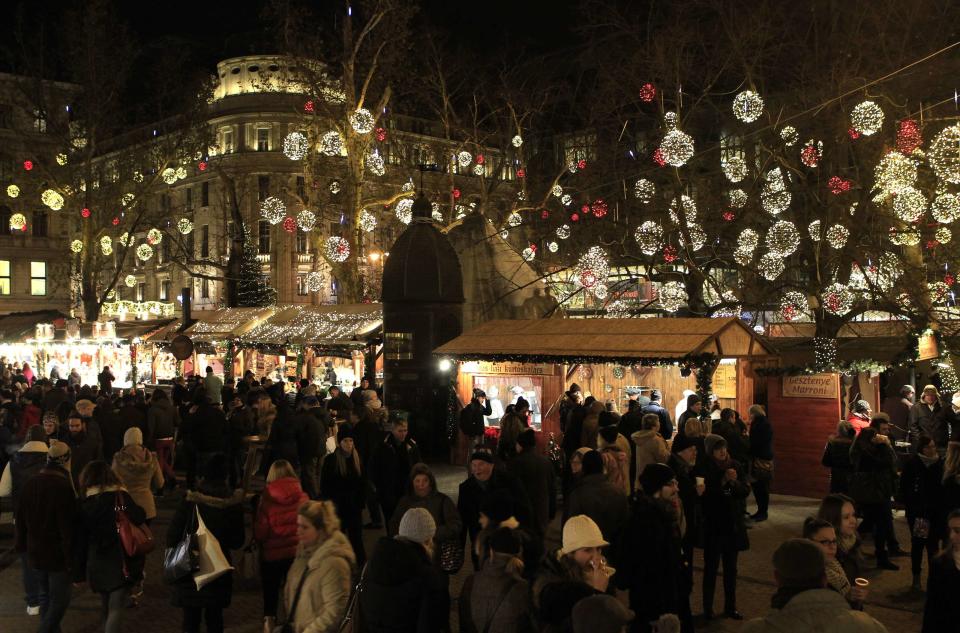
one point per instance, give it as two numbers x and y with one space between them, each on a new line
693 362
849 367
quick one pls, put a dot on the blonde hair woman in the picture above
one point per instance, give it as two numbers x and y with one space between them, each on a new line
317 590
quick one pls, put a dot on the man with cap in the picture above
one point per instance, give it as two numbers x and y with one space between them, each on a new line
803 602
650 562
484 480
46 515
535 474
598 498
656 406
402 589
927 416
472 419
84 447
694 407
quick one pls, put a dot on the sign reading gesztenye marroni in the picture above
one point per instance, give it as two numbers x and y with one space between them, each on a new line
811 386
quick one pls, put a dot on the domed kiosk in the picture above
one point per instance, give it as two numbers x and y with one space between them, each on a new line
422 309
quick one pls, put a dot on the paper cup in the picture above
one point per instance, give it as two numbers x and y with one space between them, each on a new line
861 582
700 481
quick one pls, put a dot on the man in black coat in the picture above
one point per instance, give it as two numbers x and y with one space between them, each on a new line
630 423
472 423
694 409
204 433
761 454
656 406
390 466
84 447
598 498
313 421
535 474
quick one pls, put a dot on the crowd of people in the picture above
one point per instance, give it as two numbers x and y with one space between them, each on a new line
636 493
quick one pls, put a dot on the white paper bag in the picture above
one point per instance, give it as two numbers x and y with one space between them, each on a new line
213 563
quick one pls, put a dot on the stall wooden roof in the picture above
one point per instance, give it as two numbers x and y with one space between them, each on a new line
19 326
625 341
328 326
226 323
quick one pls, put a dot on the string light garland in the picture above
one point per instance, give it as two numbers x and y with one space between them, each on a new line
337 249
909 204
52 199
671 296
130 281
649 235
13 191
144 252
945 208
644 190
789 135
273 210
837 299
909 137
747 106
783 238
404 210
185 226
944 154
894 173
770 266
331 144
735 168
837 236
18 222
306 220
824 352
314 281
295 145
362 121
867 118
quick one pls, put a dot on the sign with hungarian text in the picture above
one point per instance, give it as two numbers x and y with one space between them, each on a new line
514 369
811 386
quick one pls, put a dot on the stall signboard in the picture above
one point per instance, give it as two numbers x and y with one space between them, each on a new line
291 368
811 386
512 369
927 347
725 380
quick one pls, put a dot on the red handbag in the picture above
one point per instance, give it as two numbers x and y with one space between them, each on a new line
137 540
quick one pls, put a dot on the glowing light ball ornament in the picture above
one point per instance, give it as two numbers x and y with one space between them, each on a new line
793 305
563 231
52 199
464 159
295 146
906 237
331 143
380 134
747 106
362 121
124 238
306 220
479 170
943 235
743 256
404 210
556 190
689 209
644 190
18 222
154 236
867 118
553 247
789 136
130 281
677 147
337 249
735 169
909 137
737 198
185 226
516 141
909 204
334 187
368 221
27 165
592 270
775 198
671 296
289 224
529 254
599 208
838 185
783 238
144 252
811 153
13 191
314 281
770 266
106 245
837 299
61 159
514 219
375 164
273 210
648 92
837 236
945 208
814 230
169 175
894 173
649 236
698 237
939 291
748 240
944 154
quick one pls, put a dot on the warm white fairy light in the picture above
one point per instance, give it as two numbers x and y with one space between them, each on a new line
743 256
295 145
649 235
698 237
314 281
479 170
130 281
939 291
435 212
124 238
944 154
748 240
514 219
556 190
563 231
793 305
306 220
737 198
592 270
337 249
52 199
676 148
945 208
943 235
61 159
894 173
689 209
770 266
185 226
18 221
375 163
867 118
13 191
814 230
154 236
461 211
181 172
334 187
909 204
368 221
126 199
789 135
783 238
837 299
404 210
566 199
909 236
169 175
735 168
273 210
144 252
837 236
331 143
747 106
775 198
528 254
464 158
516 141
618 309
644 190
671 296
521 196
106 245
362 121
553 247
137 176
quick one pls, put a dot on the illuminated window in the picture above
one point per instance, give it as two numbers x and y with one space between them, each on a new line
228 141
39 121
141 291
165 290
4 277
263 139
38 278
398 345
264 237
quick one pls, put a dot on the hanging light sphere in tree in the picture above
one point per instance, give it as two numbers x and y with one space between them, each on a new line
837 299
649 235
811 153
306 220
743 256
362 121
124 238
144 252
154 236
528 254
331 143
867 118
106 245
748 240
783 238
563 231
334 187
404 210
295 146
185 226
18 221
592 270
368 221
130 281
944 154
943 235
735 168
775 198
939 291
789 135
314 281
557 191
464 158
648 92
375 164
514 219
909 204
273 210
747 106
52 199
945 208
689 209
338 249
793 305
13 191
676 148
169 175
553 247
909 137
698 237
814 230
894 173
644 190
181 173
737 198
837 236
905 237
516 141
289 224
671 296
599 208
770 266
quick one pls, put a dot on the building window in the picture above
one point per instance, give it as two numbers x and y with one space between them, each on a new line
263 139
205 240
205 194
303 244
165 287
5 214
398 346
163 253
188 204
141 291
302 286
39 121
38 278
263 241
4 277
263 187
228 141
39 223
301 189
204 288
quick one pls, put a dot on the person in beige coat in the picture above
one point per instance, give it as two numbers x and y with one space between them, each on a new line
138 471
651 448
610 441
324 564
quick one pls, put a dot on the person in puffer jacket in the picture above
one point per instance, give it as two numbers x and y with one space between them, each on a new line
275 529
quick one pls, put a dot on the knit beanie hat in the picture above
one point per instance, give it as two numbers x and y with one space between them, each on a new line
579 532
592 463
417 525
712 442
527 438
600 614
133 437
799 562
654 477
36 433
608 435
344 432
483 456
59 454
606 418
681 442
692 399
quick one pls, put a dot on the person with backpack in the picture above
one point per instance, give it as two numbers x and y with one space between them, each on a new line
497 598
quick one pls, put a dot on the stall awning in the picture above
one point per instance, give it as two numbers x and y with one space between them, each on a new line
20 326
329 327
226 323
623 341
130 330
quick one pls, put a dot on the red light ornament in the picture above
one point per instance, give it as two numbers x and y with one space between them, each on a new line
544 214
852 133
599 208
949 279
574 217
728 216
909 137
658 157
838 185
381 134
521 173
648 92
480 159
202 165
289 224
669 254
456 194
116 221
533 247
28 165
85 212
582 164
932 244
308 106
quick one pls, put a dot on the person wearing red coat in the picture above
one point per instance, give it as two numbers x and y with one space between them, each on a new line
275 528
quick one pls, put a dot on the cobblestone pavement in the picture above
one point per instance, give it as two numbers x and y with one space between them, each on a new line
891 600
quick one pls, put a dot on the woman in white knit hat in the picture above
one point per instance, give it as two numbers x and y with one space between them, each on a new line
580 559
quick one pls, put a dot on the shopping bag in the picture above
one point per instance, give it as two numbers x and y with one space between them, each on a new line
248 567
183 559
213 562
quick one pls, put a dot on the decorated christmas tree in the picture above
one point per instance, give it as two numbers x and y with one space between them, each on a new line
253 289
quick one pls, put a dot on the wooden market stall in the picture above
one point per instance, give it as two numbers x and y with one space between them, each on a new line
541 358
